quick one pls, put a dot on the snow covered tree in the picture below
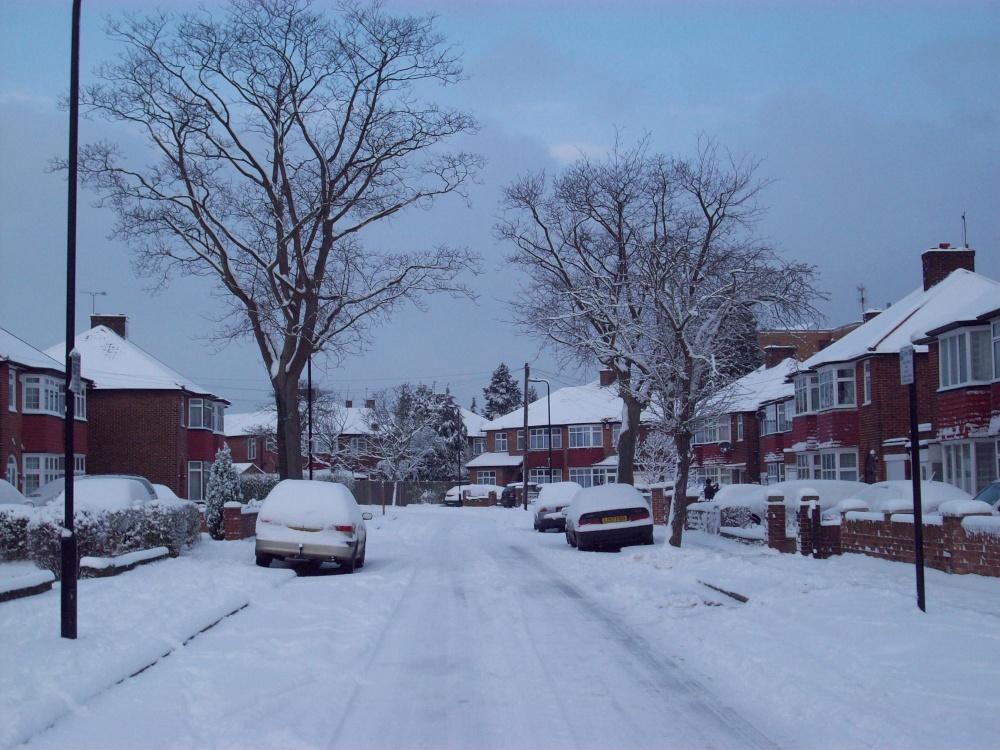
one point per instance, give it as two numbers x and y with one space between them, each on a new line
503 395
709 276
472 407
278 135
449 455
223 487
402 433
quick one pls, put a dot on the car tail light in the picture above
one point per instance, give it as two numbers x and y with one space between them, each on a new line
589 518
638 514
346 529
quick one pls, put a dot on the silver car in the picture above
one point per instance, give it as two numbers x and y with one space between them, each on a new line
305 520
550 507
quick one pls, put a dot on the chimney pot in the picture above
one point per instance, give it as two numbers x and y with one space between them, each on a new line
370 403
607 377
944 245
349 404
117 323
939 262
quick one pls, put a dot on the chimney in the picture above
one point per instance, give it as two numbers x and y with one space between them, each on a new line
940 261
117 323
870 314
608 377
369 403
775 354
349 404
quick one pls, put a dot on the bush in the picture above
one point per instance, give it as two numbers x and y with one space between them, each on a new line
14 521
738 516
110 533
257 486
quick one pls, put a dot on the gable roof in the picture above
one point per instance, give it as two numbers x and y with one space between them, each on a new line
116 363
907 320
761 386
584 404
18 351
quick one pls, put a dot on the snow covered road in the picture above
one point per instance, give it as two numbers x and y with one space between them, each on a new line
466 629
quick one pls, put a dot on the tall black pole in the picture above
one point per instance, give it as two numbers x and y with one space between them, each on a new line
918 508
68 587
524 453
309 385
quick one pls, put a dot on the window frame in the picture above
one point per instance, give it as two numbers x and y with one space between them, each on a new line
834 384
486 474
586 436
12 390
967 357
500 442
866 381
833 465
539 437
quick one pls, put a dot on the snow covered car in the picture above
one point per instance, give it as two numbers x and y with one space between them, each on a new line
990 495
9 494
609 515
306 520
550 507
96 492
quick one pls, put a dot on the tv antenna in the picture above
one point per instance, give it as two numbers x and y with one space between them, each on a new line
965 237
95 295
864 300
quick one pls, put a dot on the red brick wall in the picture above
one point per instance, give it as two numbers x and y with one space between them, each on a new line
963 412
138 432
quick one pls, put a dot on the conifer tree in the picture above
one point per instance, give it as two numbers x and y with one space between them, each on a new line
223 487
502 395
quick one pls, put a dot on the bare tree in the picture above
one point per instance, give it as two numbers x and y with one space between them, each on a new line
579 242
279 134
706 275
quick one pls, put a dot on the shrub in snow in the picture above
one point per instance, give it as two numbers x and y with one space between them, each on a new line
107 533
14 532
223 487
257 486
737 516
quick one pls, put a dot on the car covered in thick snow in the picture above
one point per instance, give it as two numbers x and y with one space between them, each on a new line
9 494
315 521
96 492
609 515
990 494
550 507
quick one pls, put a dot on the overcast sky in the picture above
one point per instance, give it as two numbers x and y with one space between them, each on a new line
879 122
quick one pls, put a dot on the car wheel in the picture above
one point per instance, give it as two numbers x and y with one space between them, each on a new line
264 561
351 563
582 545
570 540
361 560
647 536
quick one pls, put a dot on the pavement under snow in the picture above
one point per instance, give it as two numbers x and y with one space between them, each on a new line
467 629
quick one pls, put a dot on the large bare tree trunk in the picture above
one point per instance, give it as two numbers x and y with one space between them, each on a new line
678 508
629 439
289 430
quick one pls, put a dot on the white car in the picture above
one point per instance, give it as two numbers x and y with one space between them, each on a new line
306 520
550 507
95 492
609 515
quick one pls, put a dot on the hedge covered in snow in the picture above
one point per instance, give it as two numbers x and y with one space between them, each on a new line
33 534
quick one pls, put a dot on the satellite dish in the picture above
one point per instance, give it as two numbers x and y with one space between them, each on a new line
725 446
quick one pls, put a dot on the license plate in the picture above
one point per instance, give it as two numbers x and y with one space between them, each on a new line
614 519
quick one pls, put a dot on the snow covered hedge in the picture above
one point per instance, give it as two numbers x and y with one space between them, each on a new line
35 535
256 486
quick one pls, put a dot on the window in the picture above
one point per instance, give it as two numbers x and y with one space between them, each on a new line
541 476
359 444
776 418
43 394
616 433
836 387
11 475
41 468
808 466
478 446
195 413
12 390
80 405
500 442
996 350
964 358
806 394
251 448
970 465
220 418
712 430
271 444
486 476
775 472
841 465
198 472
585 436
520 440
712 473
539 439
867 376
739 427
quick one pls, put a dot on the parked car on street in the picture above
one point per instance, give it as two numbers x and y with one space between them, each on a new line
512 492
96 491
990 495
9 494
609 515
550 507
306 520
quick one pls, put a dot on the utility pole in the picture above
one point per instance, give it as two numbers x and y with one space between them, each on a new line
524 454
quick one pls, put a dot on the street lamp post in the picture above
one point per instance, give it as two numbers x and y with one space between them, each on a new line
548 403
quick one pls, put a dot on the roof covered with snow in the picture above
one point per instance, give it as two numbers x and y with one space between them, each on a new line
909 319
13 349
116 363
761 386
494 459
584 404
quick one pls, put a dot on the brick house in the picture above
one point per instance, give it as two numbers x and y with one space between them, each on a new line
585 424
32 442
965 353
143 417
851 412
